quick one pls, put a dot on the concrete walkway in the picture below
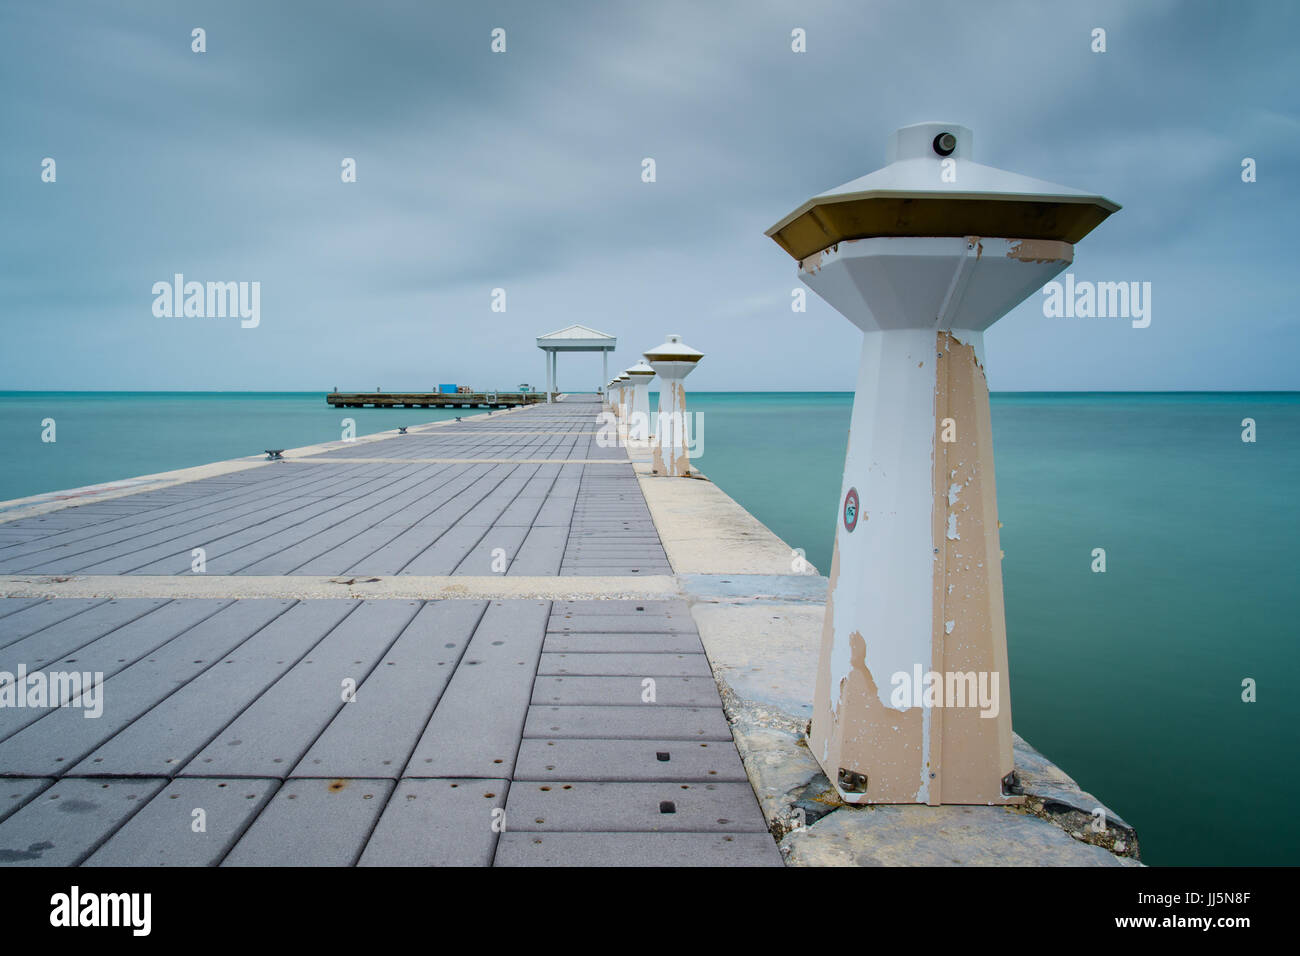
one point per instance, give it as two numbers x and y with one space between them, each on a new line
295 703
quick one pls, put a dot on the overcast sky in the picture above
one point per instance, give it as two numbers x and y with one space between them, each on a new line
522 170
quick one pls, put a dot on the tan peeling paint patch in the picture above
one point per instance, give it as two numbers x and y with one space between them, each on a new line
969 753
658 463
1041 250
810 264
878 741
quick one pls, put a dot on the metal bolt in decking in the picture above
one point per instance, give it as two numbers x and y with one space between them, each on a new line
672 362
923 256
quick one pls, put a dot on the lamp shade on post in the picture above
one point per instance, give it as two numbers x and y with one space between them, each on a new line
639 376
672 362
912 701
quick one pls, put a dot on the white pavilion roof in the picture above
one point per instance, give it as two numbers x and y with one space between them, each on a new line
577 338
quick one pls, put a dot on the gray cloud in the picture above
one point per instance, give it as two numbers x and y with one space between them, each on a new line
523 171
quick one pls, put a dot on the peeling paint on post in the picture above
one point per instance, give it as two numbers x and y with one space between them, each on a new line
622 381
915 610
638 424
672 362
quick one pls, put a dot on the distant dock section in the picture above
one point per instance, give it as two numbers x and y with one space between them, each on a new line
433 399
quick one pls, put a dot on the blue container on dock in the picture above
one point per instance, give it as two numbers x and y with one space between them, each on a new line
446 389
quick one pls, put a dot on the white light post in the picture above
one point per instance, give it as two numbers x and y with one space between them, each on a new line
912 702
672 362
623 382
639 376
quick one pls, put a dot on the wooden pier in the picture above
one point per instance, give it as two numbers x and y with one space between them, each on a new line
434 399
502 676
379 651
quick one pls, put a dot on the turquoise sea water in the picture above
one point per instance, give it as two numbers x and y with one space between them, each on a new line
1130 680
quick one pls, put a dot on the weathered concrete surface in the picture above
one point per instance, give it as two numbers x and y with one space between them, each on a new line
751 589
761 651
761 634
764 657
918 835
704 530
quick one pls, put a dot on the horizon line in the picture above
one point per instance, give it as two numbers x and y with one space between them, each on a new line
1068 389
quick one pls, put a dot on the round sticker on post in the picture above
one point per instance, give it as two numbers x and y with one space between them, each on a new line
851 510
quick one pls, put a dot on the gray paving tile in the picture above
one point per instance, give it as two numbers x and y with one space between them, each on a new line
644 722
63 825
223 497
313 823
10 606
58 630
538 691
596 570
494 552
165 738
476 727
648 642
439 823
559 759
17 791
621 624
577 806
272 734
579 610
637 849
541 552
447 551
375 734
107 655
668 691
369 517
306 546
496 504
131 548
190 822
60 738
609 664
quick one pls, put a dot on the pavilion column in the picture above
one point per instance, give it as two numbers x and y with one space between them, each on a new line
547 354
